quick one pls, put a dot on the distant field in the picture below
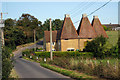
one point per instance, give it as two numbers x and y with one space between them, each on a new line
113 37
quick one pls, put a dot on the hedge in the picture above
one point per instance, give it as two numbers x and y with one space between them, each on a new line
64 54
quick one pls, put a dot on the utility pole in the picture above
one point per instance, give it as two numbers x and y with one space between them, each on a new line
51 56
35 39
2 25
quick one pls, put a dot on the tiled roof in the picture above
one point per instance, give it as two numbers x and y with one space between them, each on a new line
47 36
85 30
98 27
68 30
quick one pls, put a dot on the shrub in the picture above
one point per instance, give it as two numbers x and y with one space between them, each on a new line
6 63
112 52
96 46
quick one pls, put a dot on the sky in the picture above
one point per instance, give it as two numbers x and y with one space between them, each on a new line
57 10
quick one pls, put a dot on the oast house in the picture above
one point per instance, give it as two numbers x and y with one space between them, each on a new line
70 39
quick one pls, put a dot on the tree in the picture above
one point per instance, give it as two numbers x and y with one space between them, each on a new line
106 28
13 37
56 24
46 25
96 46
9 22
29 21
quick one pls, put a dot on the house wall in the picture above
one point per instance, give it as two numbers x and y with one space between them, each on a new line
63 45
83 43
48 46
70 43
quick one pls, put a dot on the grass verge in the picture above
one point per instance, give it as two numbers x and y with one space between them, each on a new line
13 74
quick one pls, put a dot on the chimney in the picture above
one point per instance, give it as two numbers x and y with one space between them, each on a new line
67 15
84 15
95 17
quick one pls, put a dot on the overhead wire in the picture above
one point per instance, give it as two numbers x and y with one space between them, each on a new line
81 8
96 10
75 8
84 9
99 8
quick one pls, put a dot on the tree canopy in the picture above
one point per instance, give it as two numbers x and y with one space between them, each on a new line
26 20
20 31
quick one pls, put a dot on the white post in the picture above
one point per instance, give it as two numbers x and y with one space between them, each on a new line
51 57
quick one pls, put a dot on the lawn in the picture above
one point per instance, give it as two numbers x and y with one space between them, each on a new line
113 37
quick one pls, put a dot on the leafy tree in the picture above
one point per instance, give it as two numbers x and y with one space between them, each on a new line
96 46
106 28
57 24
9 22
46 25
21 31
14 37
29 21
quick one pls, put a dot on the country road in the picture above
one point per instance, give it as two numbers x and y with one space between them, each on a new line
28 69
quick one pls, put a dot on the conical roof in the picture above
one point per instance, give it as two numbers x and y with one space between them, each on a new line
85 30
68 30
98 27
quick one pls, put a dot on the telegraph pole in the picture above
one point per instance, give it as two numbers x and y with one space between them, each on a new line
34 39
2 25
51 56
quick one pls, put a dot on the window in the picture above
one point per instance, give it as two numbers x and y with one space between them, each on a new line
70 49
89 38
66 39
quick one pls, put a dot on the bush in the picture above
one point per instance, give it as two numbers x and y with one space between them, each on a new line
112 52
97 47
6 63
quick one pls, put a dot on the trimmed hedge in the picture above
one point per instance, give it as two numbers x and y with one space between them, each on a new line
64 54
